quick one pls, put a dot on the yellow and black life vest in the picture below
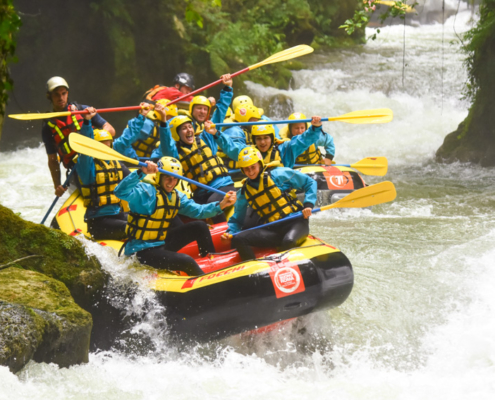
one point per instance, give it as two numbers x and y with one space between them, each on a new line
154 226
311 156
268 200
100 193
228 162
273 154
144 148
199 163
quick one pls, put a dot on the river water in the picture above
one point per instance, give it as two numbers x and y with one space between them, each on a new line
420 321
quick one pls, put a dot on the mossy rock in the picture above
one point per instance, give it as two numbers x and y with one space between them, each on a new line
39 320
58 256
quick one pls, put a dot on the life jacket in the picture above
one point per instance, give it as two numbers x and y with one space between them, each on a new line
311 156
158 92
61 129
228 162
101 192
199 163
144 148
249 138
154 226
268 201
273 154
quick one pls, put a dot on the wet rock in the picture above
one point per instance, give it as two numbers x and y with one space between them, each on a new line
279 106
59 256
39 320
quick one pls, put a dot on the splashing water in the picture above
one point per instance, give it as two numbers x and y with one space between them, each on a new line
420 320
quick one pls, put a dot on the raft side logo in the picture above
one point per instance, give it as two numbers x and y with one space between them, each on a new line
339 180
190 282
287 280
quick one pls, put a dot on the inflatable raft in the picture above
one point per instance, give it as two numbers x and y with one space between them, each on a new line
234 296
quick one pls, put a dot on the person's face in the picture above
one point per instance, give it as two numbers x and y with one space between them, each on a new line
168 183
184 89
186 133
200 113
252 171
59 97
263 142
297 129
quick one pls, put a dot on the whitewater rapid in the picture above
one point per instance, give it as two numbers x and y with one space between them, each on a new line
420 321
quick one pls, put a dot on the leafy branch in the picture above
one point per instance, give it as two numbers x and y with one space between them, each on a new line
363 14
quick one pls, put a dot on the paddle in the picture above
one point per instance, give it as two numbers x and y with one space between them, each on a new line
284 55
66 183
368 196
92 148
375 166
377 116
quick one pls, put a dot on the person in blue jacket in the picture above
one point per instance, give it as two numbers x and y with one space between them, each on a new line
152 209
141 136
198 153
272 149
268 193
97 179
312 155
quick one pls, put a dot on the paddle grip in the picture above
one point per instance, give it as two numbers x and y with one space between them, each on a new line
66 183
206 187
295 215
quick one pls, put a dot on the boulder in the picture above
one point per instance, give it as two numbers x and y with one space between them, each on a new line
62 257
39 320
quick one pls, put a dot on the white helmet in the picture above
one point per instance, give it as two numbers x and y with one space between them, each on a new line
56 82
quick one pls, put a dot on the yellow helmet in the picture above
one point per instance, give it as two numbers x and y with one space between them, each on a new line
101 135
245 113
175 123
249 156
170 110
260 130
199 100
297 116
242 101
168 164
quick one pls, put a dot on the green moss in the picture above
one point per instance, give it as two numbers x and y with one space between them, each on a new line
41 312
62 256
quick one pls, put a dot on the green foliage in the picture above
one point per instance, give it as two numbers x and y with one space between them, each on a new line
368 7
479 45
9 25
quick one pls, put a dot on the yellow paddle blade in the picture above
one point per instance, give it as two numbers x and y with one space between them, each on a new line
377 116
375 166
28 117
368 196
284 55
92 148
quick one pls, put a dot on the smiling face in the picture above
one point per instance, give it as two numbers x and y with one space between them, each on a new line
186 133
263 142
59 97
252 171
200 113
297 129
168 183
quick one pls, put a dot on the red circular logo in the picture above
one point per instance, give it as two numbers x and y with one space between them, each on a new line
242 111
287 280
